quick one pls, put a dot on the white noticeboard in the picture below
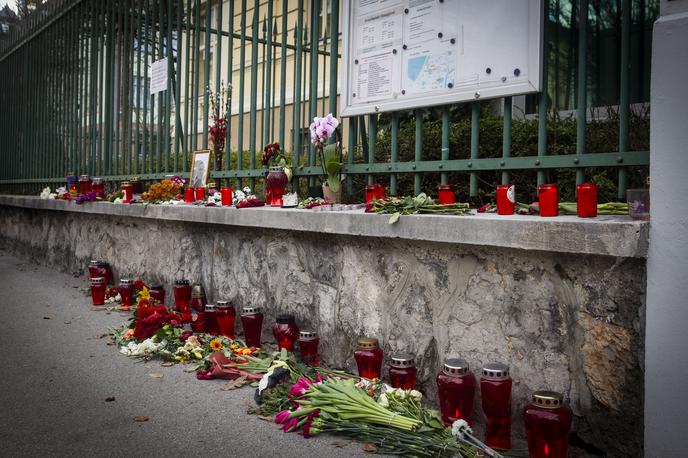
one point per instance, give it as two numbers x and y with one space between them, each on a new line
403 54
158 78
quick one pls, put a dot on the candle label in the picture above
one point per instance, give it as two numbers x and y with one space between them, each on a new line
511 194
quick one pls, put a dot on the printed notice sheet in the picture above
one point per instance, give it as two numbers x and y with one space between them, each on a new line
429 68
374 78
158 79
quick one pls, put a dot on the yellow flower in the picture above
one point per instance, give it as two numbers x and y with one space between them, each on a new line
216 345
129 334
198 355
234 346
145 293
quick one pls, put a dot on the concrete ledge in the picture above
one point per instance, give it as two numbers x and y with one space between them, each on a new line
617 236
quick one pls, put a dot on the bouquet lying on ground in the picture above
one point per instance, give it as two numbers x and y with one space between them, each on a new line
565 208
422 203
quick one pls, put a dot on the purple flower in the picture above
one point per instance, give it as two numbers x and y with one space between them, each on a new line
282 417
290 424
323 128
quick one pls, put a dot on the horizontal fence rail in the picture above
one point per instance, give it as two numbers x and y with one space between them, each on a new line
75 96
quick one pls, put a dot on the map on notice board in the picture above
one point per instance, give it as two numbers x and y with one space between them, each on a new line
402 54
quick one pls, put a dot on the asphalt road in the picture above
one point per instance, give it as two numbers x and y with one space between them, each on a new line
58 370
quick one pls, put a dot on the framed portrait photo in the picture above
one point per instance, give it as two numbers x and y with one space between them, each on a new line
200 168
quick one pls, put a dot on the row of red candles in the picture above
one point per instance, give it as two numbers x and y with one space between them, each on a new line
547 419
548 197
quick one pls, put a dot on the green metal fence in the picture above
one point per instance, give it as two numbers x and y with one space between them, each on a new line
74 96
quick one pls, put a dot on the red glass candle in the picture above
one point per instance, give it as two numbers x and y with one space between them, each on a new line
586 195
98 187
252 322
308 347
380 192
370 193
402 372
98 287
286 332
456 390
548 197
200 193
548 423
85 183
189 195
198 298
226 194
210 325
445 194
157 292
225 317
506 199
495 389
198 321
127 192
182 295
136 185
100 269
368 358
126 291
73 184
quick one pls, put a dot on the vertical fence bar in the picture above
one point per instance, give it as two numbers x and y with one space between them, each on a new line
230 79
242 87
206 72
254 91
542 102
268 89
372 127
581 109
313 90
188 78
394 153
624 86
196 76
170 88
178 131
160 96
137 105
218 70
418 156
445 141
283 77
273 104
147 127
506 138
353 121
475 138
297 88
334 51
263 98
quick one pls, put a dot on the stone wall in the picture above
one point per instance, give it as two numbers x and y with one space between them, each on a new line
566 322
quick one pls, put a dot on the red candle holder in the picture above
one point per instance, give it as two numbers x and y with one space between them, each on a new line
127 192
200 193
98 287
548 197
226 194
276 181
198 321
380 192
370 193
98 186
126 291
210 325
506 199
226 316
456 390
198 298
85 184
445 194
285 332
402 372
182 295
495 390
368 358
157 292
252 322
136 185
586 196
100 269
548 424
308 347
189 195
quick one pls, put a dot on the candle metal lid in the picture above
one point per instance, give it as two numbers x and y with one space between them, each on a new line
285 318
97 262
209 307
548 399
224 304
250 310
495 371
126 281
402 360
84 177
307 334
365 343
97 280
455 366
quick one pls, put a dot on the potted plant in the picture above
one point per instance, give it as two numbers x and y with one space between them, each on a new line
322 129
279 174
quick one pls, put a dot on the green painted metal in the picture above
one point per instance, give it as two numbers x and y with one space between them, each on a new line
96 55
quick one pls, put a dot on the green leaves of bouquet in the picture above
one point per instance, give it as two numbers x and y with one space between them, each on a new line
333 166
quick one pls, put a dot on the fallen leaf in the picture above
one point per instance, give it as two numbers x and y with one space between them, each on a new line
110 343
340 444
103 336
263 417
46 317
141 418
368 447
167 364
156 375
234 384
109 399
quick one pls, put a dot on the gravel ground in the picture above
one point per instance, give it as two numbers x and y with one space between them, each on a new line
58 370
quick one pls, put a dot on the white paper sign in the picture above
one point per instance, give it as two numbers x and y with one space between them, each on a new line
158 79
